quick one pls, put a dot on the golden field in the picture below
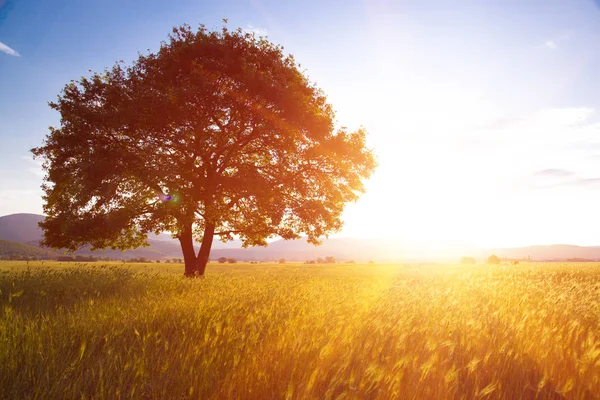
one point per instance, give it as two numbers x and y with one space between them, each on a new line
270 331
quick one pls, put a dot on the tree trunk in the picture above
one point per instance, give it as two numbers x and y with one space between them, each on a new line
207 239
189 254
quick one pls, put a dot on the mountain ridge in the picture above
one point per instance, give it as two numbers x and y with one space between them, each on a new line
23 228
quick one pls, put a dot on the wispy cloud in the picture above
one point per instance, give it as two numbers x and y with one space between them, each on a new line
557 40
553 118
548 148
576 182
503 123
554 177
585 182
36 166
555 173
550 44
565 35
5 49
256 31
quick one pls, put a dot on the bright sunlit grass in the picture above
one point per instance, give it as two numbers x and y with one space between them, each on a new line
325 332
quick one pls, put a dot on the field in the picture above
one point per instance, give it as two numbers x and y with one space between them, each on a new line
530 331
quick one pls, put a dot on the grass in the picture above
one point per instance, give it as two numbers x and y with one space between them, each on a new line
265 331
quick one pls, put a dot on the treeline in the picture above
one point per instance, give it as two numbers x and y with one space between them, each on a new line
223 260
80 258
20 251
326 260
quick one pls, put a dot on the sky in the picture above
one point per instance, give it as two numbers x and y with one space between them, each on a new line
484 115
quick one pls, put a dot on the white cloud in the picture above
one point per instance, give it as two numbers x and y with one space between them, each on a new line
36 166
555 173
545 147
5 49
37 172
256 31
563 117
558 40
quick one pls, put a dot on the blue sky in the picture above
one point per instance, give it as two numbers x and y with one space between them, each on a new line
484 114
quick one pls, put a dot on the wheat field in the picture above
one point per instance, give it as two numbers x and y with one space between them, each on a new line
267 331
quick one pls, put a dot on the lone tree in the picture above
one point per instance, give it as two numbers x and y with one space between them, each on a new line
467 260
493 259
217 134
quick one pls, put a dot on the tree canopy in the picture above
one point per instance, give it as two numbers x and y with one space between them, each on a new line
216 134
493 259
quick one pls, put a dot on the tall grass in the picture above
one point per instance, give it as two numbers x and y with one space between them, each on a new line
263 332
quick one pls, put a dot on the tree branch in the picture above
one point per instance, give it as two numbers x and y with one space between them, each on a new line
217 123
236 148
233 202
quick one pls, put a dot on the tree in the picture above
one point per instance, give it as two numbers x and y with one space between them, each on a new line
467 260
217 134
222 260
493 259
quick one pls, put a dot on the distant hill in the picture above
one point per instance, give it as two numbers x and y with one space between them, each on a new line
10 249
21 228
158 249
556 252
24 228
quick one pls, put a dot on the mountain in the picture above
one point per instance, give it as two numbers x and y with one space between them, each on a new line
24 228
553 252
21 228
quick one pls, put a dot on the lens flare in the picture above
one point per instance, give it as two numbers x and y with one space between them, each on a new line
164 197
